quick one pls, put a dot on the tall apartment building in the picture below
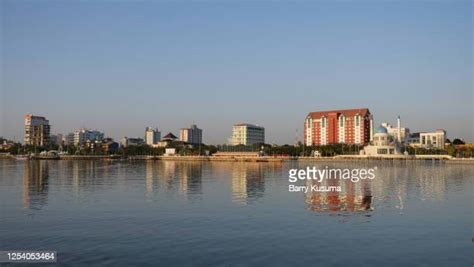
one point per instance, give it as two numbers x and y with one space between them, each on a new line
152 136
348 126
247 134
81 136
191 135
37 130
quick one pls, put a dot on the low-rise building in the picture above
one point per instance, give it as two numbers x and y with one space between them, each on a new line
127 141
382 145
434 139
167 139
170 152
109 146
6 144
247 134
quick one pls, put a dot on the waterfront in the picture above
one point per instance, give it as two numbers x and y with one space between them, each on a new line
236 213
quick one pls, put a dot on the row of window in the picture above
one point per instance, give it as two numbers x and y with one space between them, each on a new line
324 122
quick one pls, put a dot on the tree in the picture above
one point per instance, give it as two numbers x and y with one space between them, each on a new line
458 141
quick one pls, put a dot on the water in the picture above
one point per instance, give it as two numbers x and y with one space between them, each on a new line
224 213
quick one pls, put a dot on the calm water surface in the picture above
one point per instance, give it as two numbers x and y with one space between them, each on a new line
222 213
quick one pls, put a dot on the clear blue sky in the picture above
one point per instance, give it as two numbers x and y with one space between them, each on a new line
119 66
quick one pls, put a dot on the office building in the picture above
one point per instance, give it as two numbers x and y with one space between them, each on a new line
83 135
247 134
348 126
191 135
152 136
37 130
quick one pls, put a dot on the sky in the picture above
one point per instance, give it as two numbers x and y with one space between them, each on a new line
119 66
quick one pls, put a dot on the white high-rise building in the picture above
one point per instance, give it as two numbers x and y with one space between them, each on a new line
152 136
247 134
191 135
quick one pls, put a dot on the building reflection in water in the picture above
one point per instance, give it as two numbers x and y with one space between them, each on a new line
190 179
172 176
393 183
150 184
88 175
248 182
352 197
35 184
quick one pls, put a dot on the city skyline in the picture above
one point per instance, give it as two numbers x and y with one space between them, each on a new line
119 67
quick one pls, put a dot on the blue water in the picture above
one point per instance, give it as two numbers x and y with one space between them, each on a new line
164 213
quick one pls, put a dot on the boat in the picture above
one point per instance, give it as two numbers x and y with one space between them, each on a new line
22 157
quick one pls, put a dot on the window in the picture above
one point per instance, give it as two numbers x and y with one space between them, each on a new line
308 123
323 122
357 119
341 122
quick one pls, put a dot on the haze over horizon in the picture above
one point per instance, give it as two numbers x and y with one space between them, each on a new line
121 66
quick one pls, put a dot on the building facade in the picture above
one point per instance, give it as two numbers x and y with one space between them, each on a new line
56 139
247 134
349 126
434 139
127 141
191 135
37 130
400 134
383 145
69 139
152 136
83 135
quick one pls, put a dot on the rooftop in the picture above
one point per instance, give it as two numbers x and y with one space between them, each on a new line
248 125
345 112
170 136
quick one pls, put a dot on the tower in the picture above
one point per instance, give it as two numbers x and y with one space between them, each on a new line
371 126
399 139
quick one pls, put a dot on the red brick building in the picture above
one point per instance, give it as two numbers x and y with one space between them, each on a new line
348 126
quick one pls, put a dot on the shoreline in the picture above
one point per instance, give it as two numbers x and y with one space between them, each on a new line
340 158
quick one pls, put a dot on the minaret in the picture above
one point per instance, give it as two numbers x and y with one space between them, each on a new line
399 138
